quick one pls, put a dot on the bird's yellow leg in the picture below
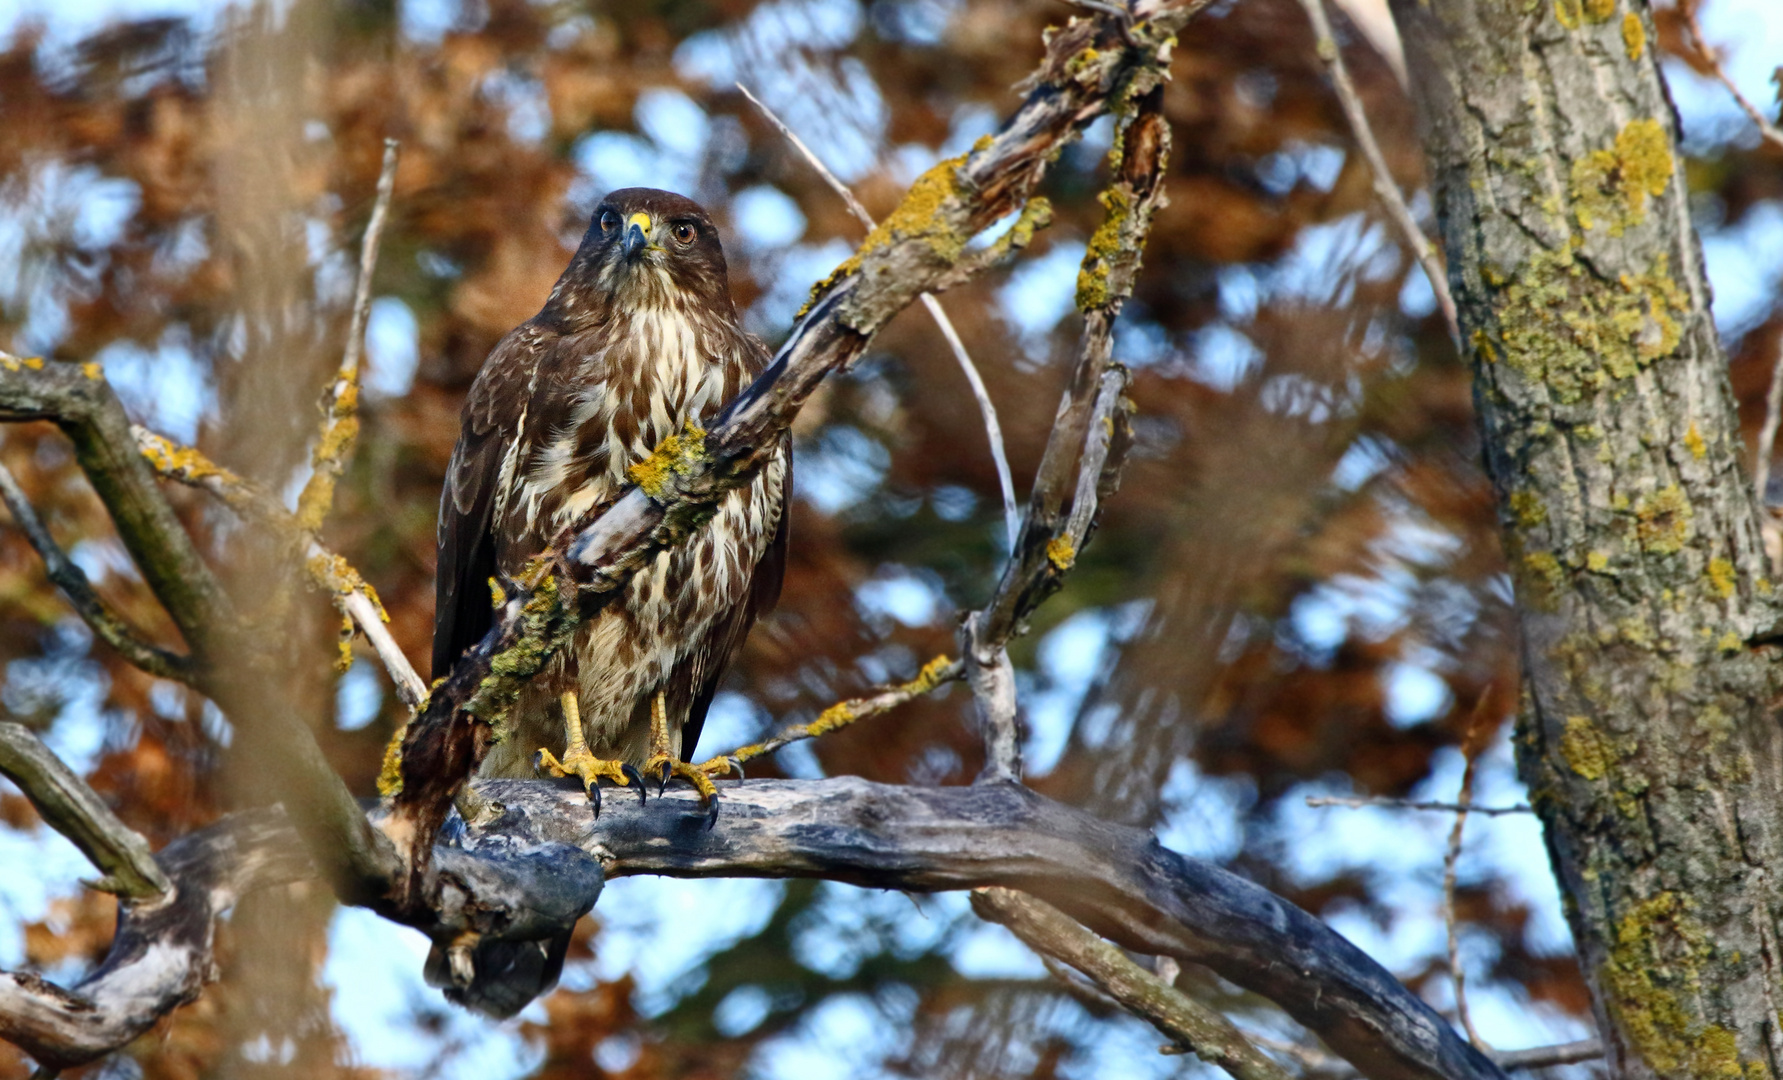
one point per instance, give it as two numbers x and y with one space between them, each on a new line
665 763
579 762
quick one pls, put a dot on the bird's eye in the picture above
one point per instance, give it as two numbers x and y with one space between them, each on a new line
609 221
684 233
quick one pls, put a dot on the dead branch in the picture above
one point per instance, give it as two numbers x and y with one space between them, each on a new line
105 623
1113 879
1191 1026
68 805
161 957
1385 189
1382 803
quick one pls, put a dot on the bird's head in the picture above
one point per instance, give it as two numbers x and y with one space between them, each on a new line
644 250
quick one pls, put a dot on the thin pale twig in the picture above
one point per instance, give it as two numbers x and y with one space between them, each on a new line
340 403
992 428
62 571
1372 803
1451 863
1392 199
1767 130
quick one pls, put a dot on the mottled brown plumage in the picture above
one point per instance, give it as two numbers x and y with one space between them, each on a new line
639 337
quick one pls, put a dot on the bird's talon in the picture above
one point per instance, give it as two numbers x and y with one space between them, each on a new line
633 776
711 810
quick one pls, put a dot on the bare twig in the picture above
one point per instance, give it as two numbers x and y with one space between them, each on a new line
936 673
1767 130
1392 199
1373 803
352 594
70 807
992 428
340 405
1451 861
1188 1024
106 624
1542 1057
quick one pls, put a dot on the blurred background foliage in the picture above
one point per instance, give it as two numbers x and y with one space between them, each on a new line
1298 590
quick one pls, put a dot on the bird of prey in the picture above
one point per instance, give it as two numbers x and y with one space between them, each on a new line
638 339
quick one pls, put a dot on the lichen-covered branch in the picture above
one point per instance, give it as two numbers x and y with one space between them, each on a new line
1092 66
936 673
105 623
351 593
1189 1025
70 807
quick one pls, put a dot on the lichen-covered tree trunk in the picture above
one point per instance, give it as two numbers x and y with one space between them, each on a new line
1648 734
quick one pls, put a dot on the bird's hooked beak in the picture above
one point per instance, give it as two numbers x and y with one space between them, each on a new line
637 234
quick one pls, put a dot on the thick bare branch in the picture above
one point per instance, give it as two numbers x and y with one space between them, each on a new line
105 623
1392 200
1089 64
70 807
1188 1024
535 868
161 957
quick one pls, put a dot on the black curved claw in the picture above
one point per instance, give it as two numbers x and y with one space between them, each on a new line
538 763
634 776
712 811
667 771
737 765
594 796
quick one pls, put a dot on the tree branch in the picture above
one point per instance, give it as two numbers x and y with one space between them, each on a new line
1091 65
105 623
75 810
80 402
161 957
1188 1024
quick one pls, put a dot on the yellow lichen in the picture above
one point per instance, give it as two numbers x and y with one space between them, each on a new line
1528 509
1482 345
1597 562
1730 643
1586 751
1663 521
1611 187
677 455
1652 977
1092 276
1634 35
918 216
1721 577
1574 13
1693 441
390 772
92 370
498 596
1060 553
1565 328
1545 575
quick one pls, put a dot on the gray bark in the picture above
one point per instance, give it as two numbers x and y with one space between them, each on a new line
1647 735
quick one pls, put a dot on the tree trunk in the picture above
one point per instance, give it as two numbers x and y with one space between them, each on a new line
1646 736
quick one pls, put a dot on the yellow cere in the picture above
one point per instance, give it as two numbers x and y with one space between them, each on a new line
641 220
